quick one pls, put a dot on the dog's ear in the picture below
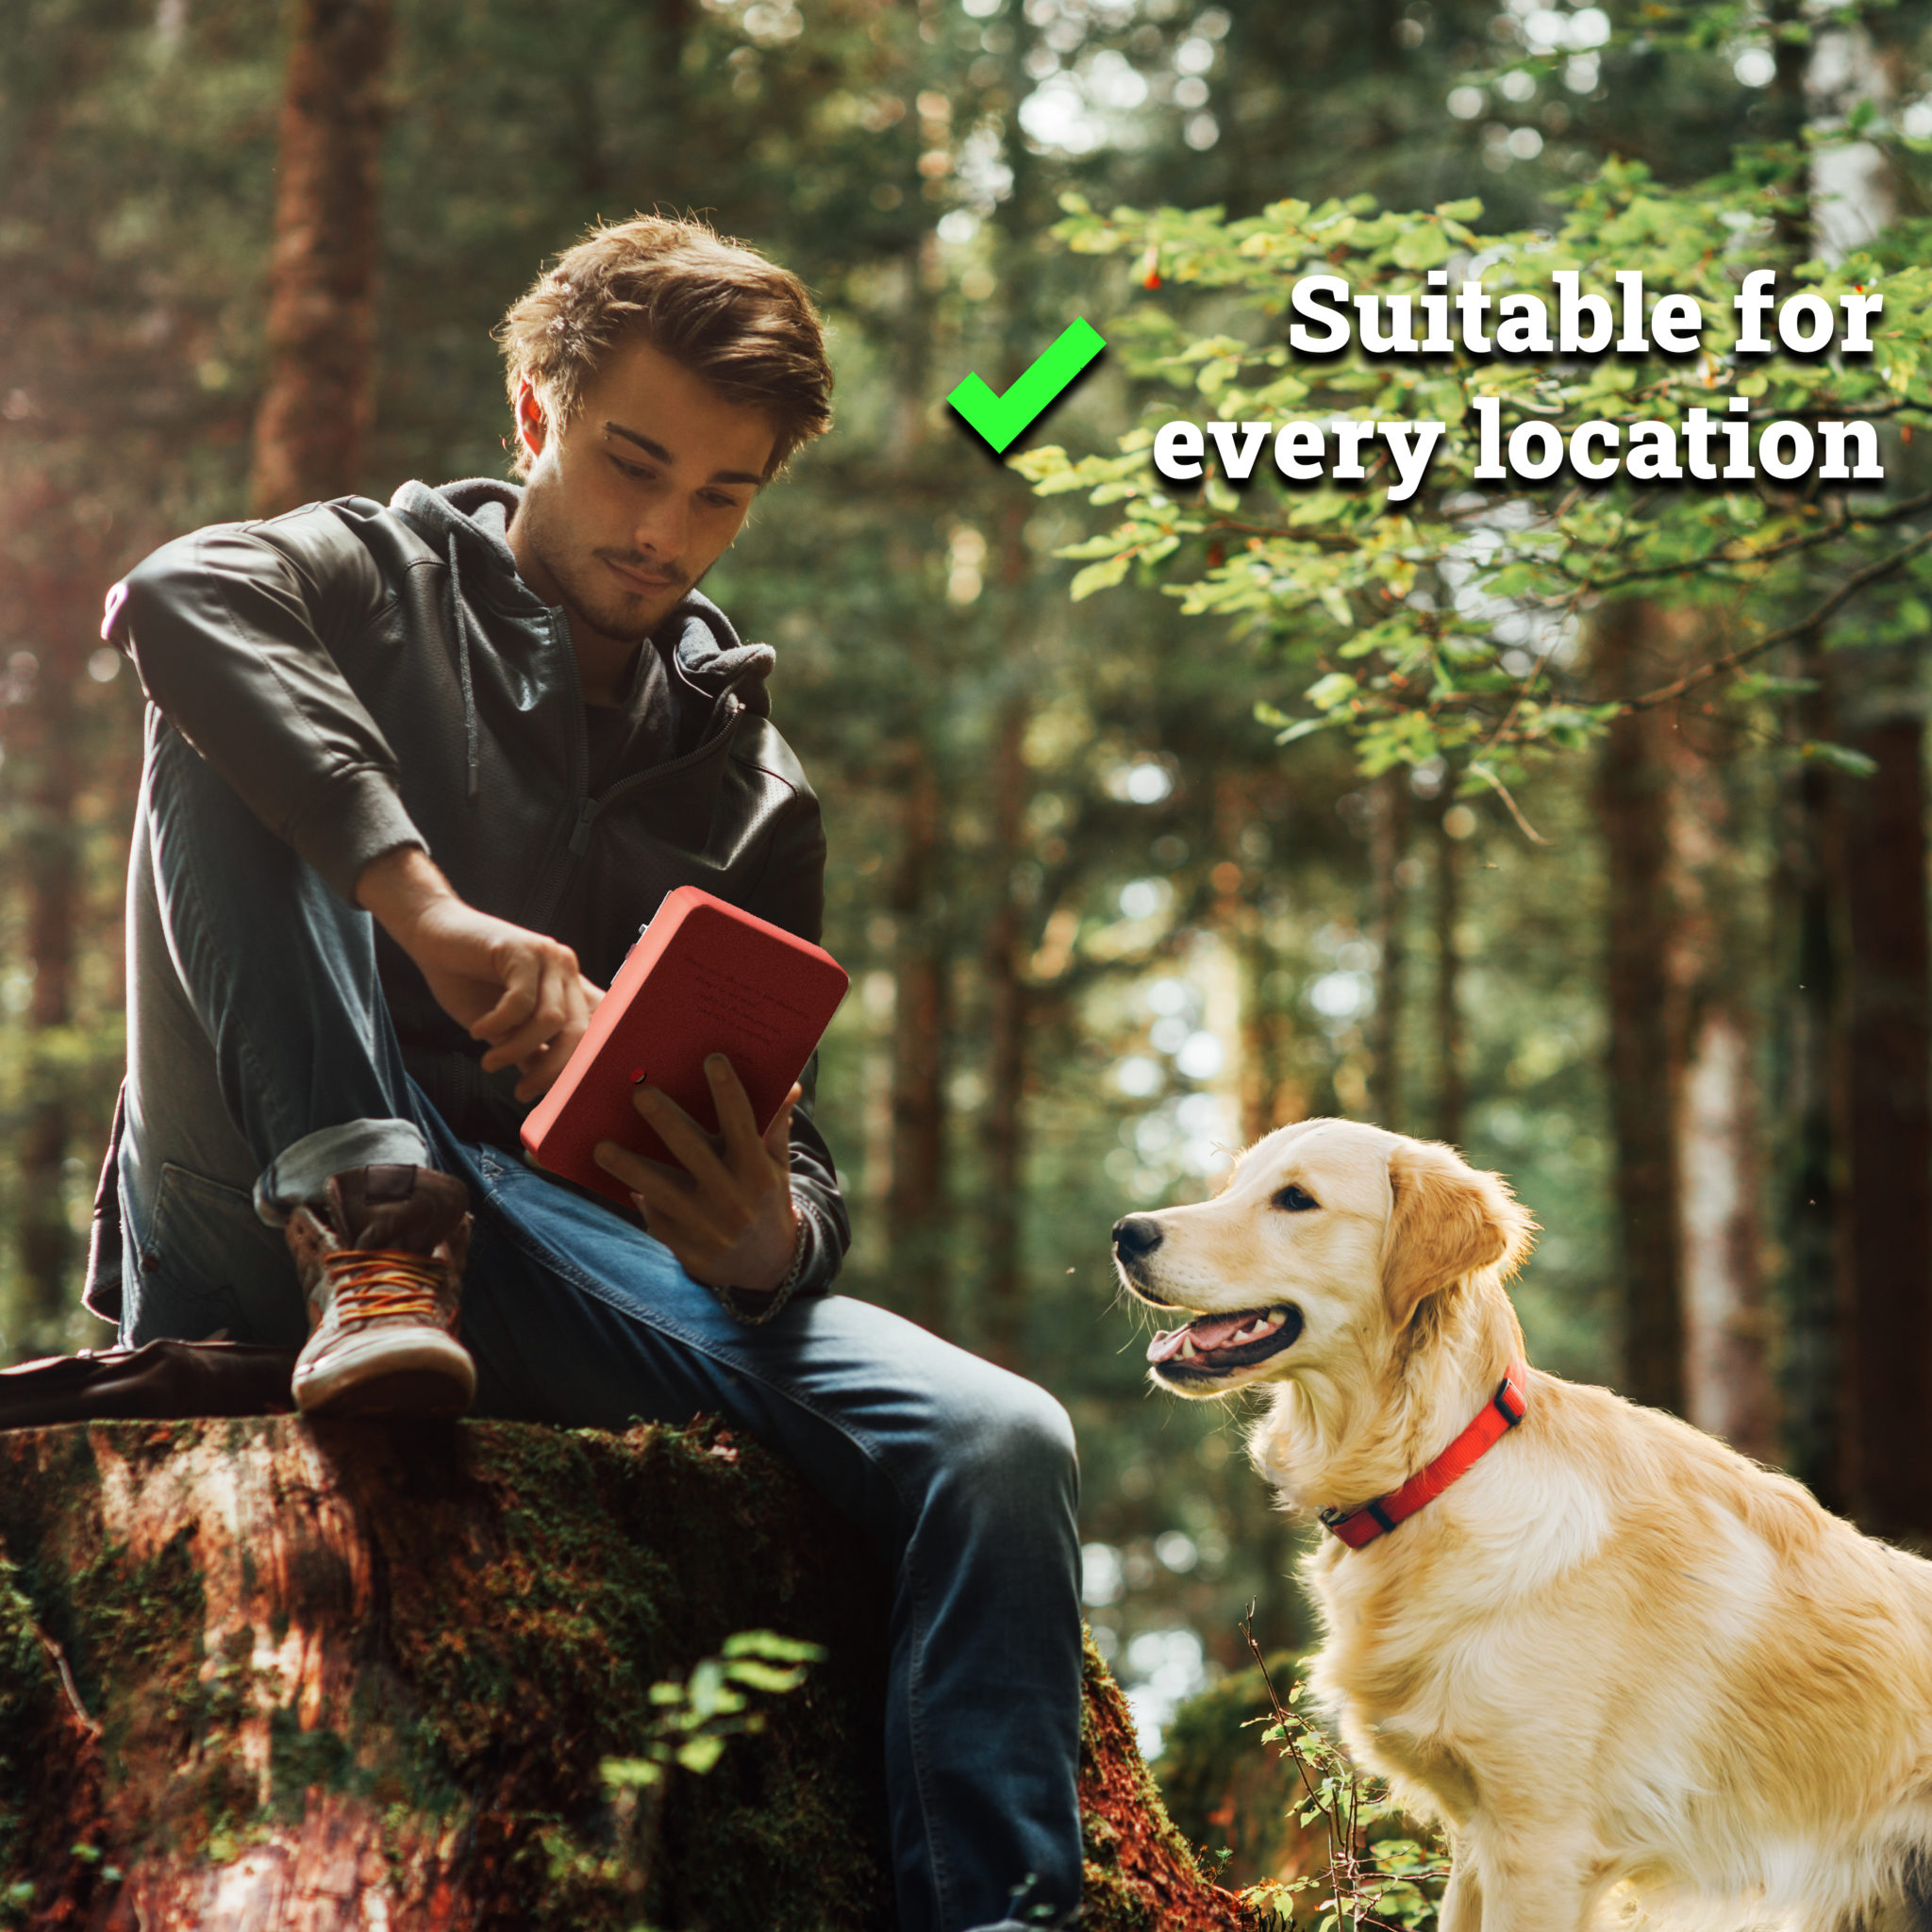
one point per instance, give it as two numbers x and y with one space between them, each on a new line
1449 1220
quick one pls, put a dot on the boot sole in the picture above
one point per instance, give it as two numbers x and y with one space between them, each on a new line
430 1377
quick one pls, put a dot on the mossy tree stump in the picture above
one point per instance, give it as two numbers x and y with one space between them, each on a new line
269 1674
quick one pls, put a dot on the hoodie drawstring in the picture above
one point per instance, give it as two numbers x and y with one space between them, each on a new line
461 621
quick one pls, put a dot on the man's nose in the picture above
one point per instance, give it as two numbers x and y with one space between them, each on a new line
663 527
1136 1236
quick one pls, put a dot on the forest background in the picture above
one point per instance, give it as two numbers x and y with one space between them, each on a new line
1664 964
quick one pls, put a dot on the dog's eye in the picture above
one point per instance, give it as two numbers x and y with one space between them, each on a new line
1296 1200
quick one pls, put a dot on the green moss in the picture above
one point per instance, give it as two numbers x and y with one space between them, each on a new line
299 1759
28 1687
527 1585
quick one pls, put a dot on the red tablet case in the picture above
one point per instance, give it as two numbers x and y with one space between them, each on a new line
704 977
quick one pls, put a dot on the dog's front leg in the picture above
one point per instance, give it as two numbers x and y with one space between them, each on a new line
1533 1881
1461 1909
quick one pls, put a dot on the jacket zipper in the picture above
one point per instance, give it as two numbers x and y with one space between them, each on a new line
578 840
591 808
539 906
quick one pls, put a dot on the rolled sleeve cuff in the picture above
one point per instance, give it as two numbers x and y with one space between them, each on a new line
348 823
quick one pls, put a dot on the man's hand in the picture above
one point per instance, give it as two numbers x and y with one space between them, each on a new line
518 991
727 1214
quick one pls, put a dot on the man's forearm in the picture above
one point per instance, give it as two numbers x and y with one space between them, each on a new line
399 888
517 991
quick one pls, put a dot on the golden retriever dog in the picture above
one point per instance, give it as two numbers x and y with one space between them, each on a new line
1626 1669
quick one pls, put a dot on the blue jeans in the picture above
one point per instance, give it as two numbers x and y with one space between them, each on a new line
261 1058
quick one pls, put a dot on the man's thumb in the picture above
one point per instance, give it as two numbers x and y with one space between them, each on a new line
778 1135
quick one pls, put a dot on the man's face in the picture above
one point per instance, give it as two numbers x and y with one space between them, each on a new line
632 501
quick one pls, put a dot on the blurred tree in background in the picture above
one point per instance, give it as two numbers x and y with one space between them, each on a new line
1102 929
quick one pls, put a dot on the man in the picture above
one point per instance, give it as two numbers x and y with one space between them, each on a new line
415 776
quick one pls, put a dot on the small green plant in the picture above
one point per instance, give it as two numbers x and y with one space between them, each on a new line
1379 1885
694 1720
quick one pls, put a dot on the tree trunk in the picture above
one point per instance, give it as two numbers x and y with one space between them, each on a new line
1887 1111
1003 1128
51 844
1727 1380
916 1209
53 613
1264 1098
266 1672
1645 1035
1452 1095
1726 1366
1812 1189
1387 843
320 398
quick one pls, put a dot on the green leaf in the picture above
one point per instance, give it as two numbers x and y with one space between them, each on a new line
700 1754
1100 576
760 1676
1107 545
1763 684
626 1773
1841 757
1336 605
775 1649
1424 247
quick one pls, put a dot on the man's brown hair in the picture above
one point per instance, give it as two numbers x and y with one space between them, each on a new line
739 323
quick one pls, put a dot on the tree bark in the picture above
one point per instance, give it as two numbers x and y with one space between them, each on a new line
1387 843
53 885
1887 1111
1726 1371
1813 1187
916 1208
1452 1096
267 1673
1726 1368
320 398
1003 1126
51 610
1645 1031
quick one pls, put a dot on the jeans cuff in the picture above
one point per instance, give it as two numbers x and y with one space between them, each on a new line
300 1172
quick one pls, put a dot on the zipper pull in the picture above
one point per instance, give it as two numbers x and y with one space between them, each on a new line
587 817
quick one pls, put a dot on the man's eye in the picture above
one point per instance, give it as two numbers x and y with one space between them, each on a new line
1295 1200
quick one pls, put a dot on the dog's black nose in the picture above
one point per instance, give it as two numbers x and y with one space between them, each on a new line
1138 1235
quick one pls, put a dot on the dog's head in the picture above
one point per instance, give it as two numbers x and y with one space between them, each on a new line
1325 1244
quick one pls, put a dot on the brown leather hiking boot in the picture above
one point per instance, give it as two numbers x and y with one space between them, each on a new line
382 1268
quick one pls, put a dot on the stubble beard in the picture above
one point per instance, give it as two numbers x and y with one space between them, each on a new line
589 593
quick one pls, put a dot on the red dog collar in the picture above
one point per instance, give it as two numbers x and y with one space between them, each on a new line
1500 1414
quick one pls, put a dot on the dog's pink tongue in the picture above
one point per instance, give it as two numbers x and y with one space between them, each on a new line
1210 1331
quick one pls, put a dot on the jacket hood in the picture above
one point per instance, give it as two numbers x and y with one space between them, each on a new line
472 519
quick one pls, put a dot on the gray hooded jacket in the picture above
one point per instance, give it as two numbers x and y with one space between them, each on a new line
368 677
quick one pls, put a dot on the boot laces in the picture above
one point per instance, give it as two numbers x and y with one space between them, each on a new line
382 1284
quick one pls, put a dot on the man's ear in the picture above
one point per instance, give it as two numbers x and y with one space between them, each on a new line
1449 1221
533 421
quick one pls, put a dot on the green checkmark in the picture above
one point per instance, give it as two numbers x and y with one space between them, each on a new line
999 419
